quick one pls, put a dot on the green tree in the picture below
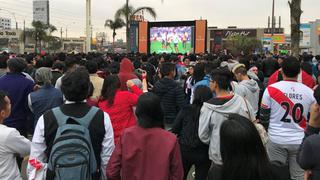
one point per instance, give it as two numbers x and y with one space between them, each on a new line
238 44
127 11
41 32
115 24
295 13
54 43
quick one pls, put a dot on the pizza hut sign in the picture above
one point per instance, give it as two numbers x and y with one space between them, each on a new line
232 33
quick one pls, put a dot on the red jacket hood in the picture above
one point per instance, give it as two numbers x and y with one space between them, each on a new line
126 66
126 73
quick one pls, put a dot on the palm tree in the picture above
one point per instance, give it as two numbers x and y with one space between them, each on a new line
114 25
127 11
40 33
295 12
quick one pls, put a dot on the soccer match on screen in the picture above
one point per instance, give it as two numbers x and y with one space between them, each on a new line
171 39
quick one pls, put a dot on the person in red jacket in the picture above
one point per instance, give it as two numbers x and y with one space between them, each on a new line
119 104
126 73
303 78
146 151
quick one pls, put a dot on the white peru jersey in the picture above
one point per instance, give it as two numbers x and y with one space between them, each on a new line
290 104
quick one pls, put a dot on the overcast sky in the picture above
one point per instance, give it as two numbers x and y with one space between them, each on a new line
221 13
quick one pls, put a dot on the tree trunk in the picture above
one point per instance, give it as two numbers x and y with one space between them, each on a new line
127 27
40 47
36 45
295 12
113 37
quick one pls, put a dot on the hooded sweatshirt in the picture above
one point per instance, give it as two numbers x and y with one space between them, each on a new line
126 73
211 118
172 98
248 89
204 82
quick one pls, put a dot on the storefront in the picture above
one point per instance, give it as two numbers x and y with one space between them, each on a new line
217 37
73 45
10 40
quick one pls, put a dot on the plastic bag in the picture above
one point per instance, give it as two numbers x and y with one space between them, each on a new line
38 170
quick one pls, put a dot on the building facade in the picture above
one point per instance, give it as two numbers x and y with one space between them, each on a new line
310 37
315 37
41 11
5 23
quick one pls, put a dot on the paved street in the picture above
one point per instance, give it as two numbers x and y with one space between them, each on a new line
24 165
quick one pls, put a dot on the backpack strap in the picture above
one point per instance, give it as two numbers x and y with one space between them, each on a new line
60 116
84 121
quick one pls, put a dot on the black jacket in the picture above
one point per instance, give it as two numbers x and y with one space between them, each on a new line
186 127
269 66
308 156
278 170
172 98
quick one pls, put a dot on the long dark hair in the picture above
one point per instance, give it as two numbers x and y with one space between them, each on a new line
243 154
149 112
198 73
110 86
201 94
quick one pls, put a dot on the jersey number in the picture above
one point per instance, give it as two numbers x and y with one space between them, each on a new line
297 112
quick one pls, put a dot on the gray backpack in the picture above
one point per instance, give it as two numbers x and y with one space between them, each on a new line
72 156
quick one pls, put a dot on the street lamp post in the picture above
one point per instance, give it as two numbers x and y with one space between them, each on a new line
12 13
66 28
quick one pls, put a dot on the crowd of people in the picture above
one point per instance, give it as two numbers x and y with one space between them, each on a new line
136 116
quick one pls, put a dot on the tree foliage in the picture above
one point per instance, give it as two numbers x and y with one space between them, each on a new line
41 32
126 12
115 24
238 44
54 43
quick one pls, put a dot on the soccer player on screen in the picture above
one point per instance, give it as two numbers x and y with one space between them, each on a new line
284 112
164 40
184 40
176 41
168 39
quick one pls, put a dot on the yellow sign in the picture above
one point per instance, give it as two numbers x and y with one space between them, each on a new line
318 30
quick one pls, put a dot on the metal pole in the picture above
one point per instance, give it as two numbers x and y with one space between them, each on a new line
61 33
127 27
14 16
272 27
88 26
24 35
66 32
